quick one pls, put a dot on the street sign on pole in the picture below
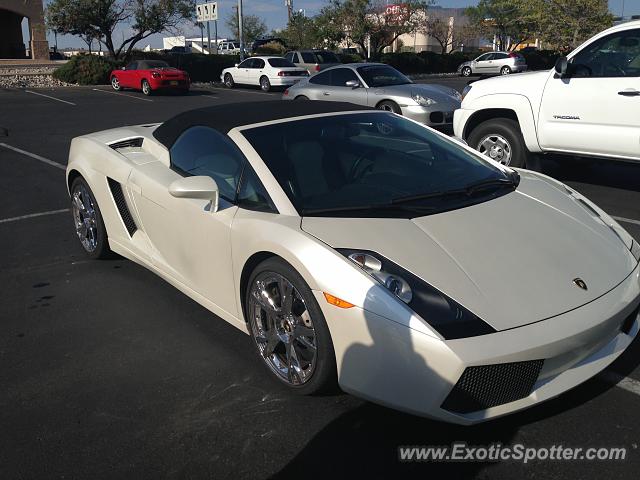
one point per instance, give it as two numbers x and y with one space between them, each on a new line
206 12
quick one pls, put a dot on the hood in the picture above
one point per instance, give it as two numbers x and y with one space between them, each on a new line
511 260
442 95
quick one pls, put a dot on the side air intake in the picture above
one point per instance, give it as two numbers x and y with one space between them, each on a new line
128 143
121 204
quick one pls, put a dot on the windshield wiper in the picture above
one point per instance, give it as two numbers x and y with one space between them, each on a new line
469 190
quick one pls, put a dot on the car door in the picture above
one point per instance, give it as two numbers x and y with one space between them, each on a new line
338 91
482 64
243 71
190 243
317 85
127 76
596 108
256 71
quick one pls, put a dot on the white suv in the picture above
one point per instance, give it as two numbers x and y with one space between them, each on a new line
588 105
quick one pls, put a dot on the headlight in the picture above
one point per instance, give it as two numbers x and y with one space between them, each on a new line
445 315
422 100
465 90
635 249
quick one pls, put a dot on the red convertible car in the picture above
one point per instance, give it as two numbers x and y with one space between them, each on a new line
149 76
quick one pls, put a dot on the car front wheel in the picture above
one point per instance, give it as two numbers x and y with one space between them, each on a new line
288 329
115 84
389 106
228 80
88 220
501 140
466 72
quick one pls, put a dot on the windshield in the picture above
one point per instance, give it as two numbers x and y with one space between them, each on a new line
280 62
373 165
382 76
326 57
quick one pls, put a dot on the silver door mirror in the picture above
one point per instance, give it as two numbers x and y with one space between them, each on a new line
199 187
123 68
352 83
237 64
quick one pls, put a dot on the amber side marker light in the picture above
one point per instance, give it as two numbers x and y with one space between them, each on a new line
338 302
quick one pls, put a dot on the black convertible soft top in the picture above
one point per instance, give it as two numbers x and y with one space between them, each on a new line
228 116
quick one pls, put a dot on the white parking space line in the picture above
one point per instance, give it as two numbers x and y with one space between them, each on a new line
268 94
33 215
36 157
626 383
121 94
49 96
626 220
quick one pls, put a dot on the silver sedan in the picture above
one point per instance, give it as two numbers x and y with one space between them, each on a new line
381 86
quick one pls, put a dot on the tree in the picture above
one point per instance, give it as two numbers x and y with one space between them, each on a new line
142 17
510 22
372 24
301 32
441 30
564 24
252 27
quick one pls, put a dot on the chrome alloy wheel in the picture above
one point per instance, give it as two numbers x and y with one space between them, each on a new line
85 218
282 328
496 147
115 83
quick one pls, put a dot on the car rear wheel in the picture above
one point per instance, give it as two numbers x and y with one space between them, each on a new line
288 328
146 88
301 97
466 71
501 140
505 70
265 84
115 84
389 106
228 80
87 219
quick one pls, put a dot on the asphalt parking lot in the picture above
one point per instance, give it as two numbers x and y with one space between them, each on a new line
106 371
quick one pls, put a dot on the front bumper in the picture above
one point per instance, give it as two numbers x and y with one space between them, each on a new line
162 83
387 363
433 116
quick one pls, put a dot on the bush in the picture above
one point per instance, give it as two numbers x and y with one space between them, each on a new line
86 70
271 48
540 59
349 58
200 67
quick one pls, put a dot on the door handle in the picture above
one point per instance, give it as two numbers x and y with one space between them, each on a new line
629 93
326 93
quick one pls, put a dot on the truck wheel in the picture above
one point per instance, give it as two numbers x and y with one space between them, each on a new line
501 140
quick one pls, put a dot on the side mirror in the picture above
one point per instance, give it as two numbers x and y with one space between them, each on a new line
352 83
123 68
237 64
200 187
562 66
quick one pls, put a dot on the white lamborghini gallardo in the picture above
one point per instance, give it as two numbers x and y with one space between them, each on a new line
362 249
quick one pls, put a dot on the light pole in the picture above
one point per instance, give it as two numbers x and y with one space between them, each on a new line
241 39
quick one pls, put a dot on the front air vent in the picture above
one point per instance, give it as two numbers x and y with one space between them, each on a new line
487 386
121 204
128 143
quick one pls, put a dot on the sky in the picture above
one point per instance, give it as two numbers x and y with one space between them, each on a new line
274 13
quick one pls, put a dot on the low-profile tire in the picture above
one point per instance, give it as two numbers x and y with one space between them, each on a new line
265 84
228 81
501 140
505 70
301 97
466 71
87 220
115 84
389 106
278 326
146 88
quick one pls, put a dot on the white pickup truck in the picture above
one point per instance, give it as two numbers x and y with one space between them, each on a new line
587 106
